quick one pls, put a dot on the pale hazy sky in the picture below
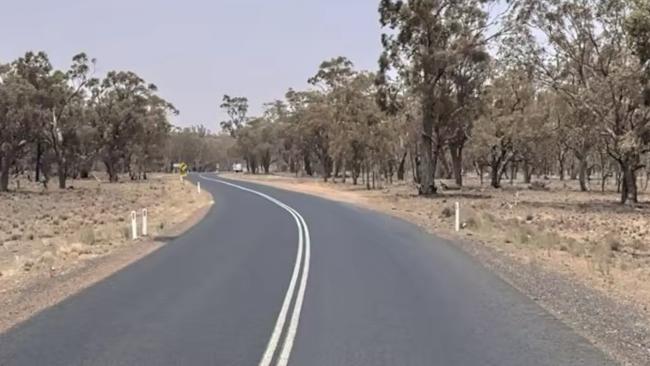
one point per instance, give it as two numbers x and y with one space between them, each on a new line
198 50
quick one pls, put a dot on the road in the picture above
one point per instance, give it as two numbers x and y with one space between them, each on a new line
252 284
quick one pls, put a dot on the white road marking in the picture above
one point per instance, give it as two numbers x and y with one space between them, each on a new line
295 318
305 242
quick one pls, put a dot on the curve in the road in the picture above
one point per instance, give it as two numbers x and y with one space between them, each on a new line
291 296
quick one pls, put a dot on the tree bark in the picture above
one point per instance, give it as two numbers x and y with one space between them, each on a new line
63 172
111 170
367 178
427 165
445 170
573 173
582 173
456 153
528 173
327 163
39 154
629 192
402 167
308 169
495 175
561 161
4 174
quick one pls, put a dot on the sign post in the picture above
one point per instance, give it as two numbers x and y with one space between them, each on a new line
134 225
182 169
144 222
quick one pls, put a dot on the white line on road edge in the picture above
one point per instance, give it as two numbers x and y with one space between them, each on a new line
283 359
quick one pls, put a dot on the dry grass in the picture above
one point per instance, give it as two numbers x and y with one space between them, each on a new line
55 231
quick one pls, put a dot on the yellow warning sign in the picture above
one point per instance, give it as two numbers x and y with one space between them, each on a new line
183 169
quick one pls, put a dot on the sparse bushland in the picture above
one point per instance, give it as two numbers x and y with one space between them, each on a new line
68 123
538 89
54 243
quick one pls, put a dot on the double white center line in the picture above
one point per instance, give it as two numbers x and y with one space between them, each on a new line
292 296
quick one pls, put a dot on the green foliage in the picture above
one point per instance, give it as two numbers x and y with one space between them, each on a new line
69 119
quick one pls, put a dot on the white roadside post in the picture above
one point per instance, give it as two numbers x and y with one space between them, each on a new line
144 222
134 225
198 187
457 226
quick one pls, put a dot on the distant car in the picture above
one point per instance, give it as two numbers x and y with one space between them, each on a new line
237 168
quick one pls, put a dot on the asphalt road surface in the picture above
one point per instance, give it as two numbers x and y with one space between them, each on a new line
272 277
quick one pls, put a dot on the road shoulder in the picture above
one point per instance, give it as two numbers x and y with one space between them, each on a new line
43 290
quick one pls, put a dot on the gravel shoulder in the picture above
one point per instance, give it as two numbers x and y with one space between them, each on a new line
577 255
56 243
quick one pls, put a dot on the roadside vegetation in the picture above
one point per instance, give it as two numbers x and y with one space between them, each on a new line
105 142
526 90
67 124
534 115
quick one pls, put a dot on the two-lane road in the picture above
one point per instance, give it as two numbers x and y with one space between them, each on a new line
271 277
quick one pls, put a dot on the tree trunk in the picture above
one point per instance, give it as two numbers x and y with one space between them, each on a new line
629 192
337 169
63 172
528 173
456 153
327 163
444 171
4 174
367 178
402 167
111 171
39 154
495 175
415 166
573 172
427 166
582 173
62 179
308 169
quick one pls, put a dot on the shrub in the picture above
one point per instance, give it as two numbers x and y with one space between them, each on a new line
87 236
447 212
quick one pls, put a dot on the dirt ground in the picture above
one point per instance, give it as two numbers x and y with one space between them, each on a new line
55 242
598 249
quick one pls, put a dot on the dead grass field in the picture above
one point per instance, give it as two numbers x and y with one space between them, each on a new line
585 237
50 233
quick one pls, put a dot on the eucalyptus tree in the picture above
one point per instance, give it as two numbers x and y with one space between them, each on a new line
332 80
594 57
35 68
311 118
237 109
18 116
68 95
149 142
425 41
121 105
510 103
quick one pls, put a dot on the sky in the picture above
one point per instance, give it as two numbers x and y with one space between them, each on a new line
196 51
